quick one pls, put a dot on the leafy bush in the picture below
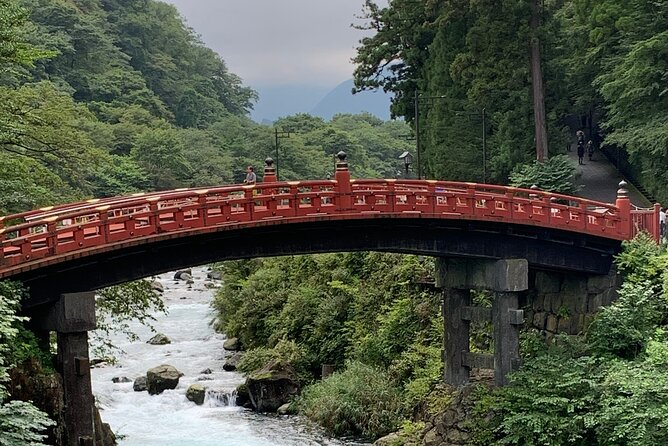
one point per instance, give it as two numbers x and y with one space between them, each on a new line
553 175
287 352
20 422
361 400
623 329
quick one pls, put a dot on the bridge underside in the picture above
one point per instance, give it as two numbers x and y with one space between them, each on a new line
542 248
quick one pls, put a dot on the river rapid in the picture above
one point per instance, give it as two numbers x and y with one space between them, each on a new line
169 419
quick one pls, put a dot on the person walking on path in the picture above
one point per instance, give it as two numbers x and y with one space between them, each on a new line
590 149
662 224
581 152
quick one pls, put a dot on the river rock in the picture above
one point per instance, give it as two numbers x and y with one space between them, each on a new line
157 286
232 362
206 371
161 378
184 274
196 394
120 379
215 275
159 339
389 440
286 409
139 384
242 397
232 344
272 386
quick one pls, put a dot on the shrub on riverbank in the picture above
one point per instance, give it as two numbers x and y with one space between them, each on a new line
360 400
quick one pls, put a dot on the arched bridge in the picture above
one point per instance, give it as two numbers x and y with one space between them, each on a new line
101 242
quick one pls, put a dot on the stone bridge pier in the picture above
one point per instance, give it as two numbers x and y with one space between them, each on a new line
71 317
548 301
506 278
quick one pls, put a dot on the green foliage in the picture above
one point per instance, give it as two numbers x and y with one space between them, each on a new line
642 260
356 401
14 48
554 175
288 352
623 329
20 422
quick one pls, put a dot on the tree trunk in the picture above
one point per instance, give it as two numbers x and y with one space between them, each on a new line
537 83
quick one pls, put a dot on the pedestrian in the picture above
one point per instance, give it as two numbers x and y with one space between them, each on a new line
581 152
251 178
662 224
580 135
590 149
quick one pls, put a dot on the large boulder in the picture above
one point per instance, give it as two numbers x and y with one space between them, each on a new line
232 362
232 344
159 339
196 394
161 378
272 386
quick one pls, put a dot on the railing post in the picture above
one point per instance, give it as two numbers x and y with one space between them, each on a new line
269 171
343 186
623 203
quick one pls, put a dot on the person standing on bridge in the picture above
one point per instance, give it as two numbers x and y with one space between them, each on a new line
662 224
251 178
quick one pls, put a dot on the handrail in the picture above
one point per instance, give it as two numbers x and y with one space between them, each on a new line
50 232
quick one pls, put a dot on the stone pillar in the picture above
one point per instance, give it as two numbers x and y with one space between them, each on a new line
269 171
455 335
506 278
343 187
74 366
72 316
506 319
511 276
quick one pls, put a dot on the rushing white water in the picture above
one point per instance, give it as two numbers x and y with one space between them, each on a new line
169 419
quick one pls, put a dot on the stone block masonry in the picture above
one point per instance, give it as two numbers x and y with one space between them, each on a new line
559 302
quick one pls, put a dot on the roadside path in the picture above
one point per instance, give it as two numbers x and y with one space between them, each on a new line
599 179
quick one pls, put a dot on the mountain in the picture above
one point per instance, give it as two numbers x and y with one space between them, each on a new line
280 101
341 100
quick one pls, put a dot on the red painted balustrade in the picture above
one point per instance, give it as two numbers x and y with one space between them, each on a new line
43 236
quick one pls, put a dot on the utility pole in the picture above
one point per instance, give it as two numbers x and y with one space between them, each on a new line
417 134
484 147
278 134
537 84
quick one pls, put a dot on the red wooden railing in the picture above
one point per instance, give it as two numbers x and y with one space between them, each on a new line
31 239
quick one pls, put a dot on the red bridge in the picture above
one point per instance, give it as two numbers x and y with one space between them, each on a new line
34 243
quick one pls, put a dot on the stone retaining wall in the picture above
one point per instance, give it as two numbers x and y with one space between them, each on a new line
566 303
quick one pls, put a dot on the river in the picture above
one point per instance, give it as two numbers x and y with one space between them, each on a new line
169 419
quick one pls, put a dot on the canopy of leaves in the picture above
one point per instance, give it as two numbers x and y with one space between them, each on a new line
554 175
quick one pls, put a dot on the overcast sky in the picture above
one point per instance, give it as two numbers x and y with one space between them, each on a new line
272 43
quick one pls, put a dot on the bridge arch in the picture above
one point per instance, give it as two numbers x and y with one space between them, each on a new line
92 244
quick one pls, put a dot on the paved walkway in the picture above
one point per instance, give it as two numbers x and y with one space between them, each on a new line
599 179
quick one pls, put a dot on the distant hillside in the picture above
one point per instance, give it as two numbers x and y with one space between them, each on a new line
341 100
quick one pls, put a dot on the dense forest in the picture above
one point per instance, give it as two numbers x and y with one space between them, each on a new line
108 97
603 62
